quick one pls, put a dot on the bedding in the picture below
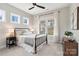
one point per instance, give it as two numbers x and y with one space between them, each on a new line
33 40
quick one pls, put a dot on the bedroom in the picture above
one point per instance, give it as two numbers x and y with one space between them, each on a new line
48 24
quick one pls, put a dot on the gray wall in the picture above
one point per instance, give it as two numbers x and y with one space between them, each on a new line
10 9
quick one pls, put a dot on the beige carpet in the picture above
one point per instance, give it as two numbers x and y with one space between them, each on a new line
52 49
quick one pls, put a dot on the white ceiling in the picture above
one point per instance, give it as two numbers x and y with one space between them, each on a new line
36 10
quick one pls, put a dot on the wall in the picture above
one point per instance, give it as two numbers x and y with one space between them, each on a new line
3 26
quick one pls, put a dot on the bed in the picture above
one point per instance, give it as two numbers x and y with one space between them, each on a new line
33 40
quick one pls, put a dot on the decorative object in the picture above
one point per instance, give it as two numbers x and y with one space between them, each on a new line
15 18
74 19
68 34
25 21
2 15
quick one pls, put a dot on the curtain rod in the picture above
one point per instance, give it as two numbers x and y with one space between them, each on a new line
48 13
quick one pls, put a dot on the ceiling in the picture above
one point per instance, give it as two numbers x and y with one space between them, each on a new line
36 10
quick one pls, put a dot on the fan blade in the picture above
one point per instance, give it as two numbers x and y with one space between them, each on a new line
31 8
40 6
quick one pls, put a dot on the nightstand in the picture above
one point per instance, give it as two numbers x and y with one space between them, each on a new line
11 41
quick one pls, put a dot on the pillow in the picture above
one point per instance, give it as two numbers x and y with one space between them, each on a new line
26 32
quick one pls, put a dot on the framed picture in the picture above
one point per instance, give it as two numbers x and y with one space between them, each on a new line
25 21
74 21
15 18
2 15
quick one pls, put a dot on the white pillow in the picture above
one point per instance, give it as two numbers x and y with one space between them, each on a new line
27 32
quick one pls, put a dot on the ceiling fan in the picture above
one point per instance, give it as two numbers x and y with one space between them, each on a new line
34 4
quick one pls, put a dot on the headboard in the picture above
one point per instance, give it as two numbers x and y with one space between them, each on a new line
20 30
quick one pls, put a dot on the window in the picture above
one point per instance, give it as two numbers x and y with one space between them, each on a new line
2 15
50 27
47 26
25 20
15 18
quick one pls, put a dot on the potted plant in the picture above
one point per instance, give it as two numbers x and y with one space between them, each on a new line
68 34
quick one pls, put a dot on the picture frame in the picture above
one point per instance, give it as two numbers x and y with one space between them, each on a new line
25 20
14 18
74 20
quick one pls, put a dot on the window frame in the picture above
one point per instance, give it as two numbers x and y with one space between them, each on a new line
3 15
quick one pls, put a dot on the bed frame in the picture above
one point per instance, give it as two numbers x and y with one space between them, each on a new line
35 46
36 39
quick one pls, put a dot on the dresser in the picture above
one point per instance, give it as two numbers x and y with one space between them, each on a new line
70 48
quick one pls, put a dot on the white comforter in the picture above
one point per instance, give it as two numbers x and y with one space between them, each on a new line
32 35
31 39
